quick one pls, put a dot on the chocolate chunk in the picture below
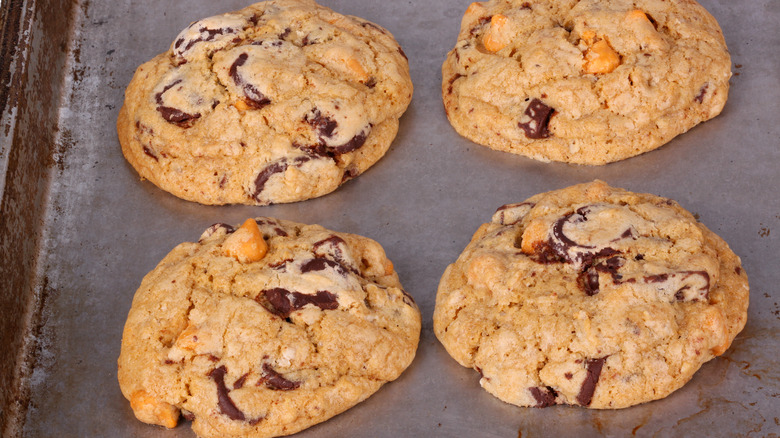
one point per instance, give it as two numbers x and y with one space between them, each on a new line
545 396
561 245
354 143
702 92
452 80
174 115
228 229
480 24
276 381
408 299
536 119
322 124
371 82
682 285
282 302
255 98
656 278
149 152
238 384
325 128
226 405
279 300
593 368
279 166
589 282
335 248
269 224
321 264
401 51
177 117
349 174
188 39
588 279
511 214
372 25
285 33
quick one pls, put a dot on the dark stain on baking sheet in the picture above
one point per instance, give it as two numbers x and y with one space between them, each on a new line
31 74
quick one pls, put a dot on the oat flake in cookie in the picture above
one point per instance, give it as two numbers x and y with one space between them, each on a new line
586 82
591 296
265 329
279 102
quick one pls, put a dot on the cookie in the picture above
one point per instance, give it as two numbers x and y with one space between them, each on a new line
591 296
279 102
265 330
585 82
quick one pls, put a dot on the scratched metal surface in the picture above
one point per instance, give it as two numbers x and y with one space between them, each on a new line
104 229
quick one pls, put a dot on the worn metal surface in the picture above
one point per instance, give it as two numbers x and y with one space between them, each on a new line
104 229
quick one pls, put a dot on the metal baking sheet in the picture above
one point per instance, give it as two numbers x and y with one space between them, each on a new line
100 228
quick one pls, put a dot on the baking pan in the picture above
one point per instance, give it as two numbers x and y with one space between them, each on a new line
80 229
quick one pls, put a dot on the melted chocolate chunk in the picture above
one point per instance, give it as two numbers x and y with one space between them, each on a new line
325 128
559 244
267 224
408 299
452 80
321 264
589 282
282 302
226 405
480 24
354 143
371 82
511 214
149 152
372 25
238 384
593 368
691 285
276 381
401 51
177 117
214 228
255 98
335 248
539 116
174 115
660 278
322 124
273 168
279 301
588 279
545 396
702 92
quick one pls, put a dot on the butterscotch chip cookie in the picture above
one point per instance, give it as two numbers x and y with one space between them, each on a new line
265 330
590 296
278 102
586 82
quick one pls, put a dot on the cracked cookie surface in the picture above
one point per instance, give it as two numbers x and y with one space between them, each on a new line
584 81
265 329
591 296
279 102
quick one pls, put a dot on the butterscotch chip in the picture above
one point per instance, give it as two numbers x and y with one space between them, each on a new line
269 346
586 82
281 101
591 296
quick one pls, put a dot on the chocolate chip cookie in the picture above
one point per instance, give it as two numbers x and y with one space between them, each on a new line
265 330
281 101
586 82
591 296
